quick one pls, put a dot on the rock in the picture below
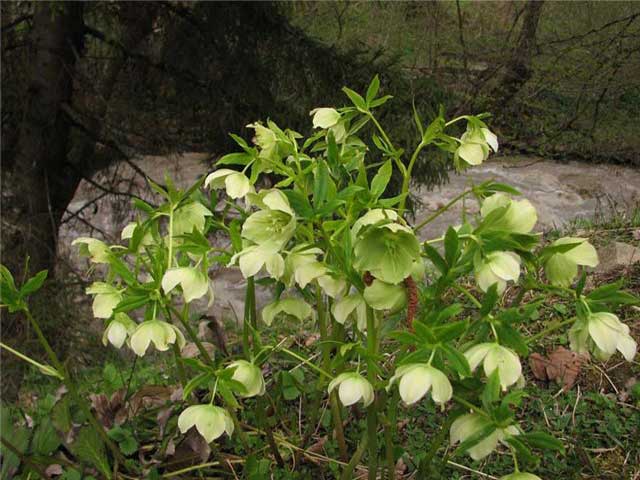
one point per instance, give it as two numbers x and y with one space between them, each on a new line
616 255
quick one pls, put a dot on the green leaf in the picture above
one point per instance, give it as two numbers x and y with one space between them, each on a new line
34 283
492 187
391 201
356 99
321 184
237 158
475 439
126 441
489 300
380 101
543 441
417 120
457 360
451 247
510 337
381 179
522 451
491 391
88 447
372 91
10 461
300 203
436 259
451 331
45 439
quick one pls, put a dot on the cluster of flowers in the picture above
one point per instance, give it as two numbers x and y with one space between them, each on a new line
384 247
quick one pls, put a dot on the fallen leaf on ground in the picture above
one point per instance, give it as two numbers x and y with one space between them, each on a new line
561 365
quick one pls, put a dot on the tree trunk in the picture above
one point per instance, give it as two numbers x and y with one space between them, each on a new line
518 71
40 183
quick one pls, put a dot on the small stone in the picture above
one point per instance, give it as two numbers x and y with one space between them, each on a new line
616 255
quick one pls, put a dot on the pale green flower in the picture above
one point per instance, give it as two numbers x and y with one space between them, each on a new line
118 330
252 259
520 215
209 420
130 228
274 226
475 145
302 266
107 297
416 379
96 249
194 282
472 423
332 286
325 117
388 252
494 356
352 387
250 376
265 138
562 268
520 476
496 267
189 216
352 305
385 296
236 184
162 334
605 334
376 215
295 307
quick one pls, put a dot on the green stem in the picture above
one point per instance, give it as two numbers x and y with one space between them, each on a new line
46 369
423 471
182 376
550 329
439 212
389 430
347 473
468 294
406 180
73 391
307 362
372 411
471 406
169 259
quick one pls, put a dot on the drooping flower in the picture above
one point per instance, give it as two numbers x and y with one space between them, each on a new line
470 424
562 268
194 282
325 117
387 251
250 376
107 297
416 379
118 330
352 305
130 228
520 476
162 334
236 184
302 266
520 215
295 307
265 138
494 356
605 334
352 387
496 267
188 216
97 250
210 421
385 296
252 259
475 145
332 285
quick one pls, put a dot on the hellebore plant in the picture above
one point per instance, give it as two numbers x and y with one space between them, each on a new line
398 318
